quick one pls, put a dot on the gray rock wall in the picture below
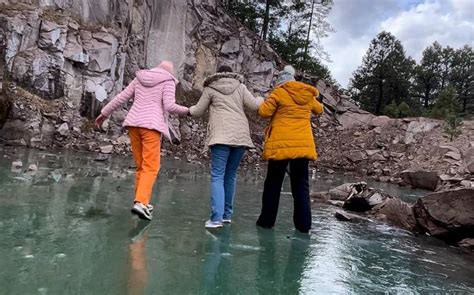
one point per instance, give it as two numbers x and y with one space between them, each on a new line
82 52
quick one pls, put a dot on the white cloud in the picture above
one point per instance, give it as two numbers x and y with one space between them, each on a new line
417 23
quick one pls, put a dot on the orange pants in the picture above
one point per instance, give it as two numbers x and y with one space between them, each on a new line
146 147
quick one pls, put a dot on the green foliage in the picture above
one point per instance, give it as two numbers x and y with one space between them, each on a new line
292 27
395 110
391 110
384 75
405 110
389 82
445 105
452 126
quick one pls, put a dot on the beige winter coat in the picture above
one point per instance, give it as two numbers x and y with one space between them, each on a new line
225 96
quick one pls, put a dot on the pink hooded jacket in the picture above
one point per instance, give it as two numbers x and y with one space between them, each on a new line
153 93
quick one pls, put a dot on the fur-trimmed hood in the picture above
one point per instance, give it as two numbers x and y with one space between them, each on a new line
225 83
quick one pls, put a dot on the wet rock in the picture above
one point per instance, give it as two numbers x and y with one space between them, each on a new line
420 179
32 168
447 215
16 166
101 158
106 149
364 200
467 244
320 196
396 212
342 192
346 216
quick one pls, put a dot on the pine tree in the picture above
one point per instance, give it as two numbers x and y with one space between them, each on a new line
427 75
384 75
452 126
462 76
445 105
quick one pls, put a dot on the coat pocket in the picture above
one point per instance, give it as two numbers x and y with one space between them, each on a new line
268 132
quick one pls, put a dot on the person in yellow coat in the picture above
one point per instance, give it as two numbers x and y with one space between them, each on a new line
289 142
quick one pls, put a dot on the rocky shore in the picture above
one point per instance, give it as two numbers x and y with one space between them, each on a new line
446 215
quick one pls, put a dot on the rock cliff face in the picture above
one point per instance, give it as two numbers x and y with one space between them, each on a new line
80 53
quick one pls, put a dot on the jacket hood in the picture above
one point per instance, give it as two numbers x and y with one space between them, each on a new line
225 83
153 77
301 93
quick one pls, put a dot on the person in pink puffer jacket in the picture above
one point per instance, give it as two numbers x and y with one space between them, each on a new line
153 94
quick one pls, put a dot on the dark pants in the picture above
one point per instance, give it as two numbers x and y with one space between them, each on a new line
299 189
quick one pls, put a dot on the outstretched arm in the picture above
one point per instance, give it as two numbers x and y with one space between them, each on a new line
268 108
169 99
251 102
201 107
120 99
317 108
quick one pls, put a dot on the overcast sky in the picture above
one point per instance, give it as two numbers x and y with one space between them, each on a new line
416 23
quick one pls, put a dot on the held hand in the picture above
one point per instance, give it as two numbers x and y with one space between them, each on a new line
100 120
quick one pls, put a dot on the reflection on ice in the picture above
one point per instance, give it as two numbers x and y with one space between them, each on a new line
67 229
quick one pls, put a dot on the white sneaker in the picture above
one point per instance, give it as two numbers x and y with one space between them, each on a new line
228 221
150 207
141 211
213 224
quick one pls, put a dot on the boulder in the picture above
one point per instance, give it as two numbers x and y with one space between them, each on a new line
231 46
470 167
52 36
467 244
380 121
106 149
342 192
396 212
447 215
420 179
420 126
364 200
63 129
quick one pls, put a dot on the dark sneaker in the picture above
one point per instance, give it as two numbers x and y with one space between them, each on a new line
141 211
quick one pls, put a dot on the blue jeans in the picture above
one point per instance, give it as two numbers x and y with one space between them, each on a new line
225 160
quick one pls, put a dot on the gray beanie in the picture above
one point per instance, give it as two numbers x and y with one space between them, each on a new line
288 74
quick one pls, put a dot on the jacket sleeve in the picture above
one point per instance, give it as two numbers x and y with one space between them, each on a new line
317 107
269 107
120 99
251 102
169 99
201 107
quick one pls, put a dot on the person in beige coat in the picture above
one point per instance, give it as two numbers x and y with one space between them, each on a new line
228 136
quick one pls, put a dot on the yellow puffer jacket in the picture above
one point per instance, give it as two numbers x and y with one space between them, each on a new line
289 135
